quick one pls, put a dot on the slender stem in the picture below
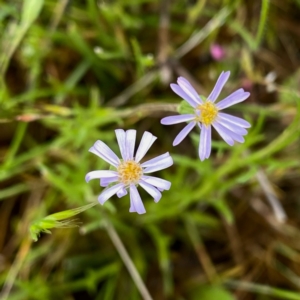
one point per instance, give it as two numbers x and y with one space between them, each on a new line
164 42
15 144
144 81
59 11
217 21
201 251
271 196
15 268
262 22
127 260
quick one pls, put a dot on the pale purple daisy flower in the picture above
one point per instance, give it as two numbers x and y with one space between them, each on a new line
206 113
128 172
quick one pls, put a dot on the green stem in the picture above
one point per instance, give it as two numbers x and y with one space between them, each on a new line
262 22
18 137
127 260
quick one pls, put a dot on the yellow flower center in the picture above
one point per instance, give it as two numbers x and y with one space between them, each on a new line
208 113
130 172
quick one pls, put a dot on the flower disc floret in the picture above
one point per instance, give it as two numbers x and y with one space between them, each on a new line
130 172
207 113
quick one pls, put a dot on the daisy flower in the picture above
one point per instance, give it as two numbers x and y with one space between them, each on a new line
206 113
128 172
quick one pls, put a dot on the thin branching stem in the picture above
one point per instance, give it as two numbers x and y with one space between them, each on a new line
127 260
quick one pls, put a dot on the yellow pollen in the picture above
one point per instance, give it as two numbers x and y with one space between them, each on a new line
208 113
130 172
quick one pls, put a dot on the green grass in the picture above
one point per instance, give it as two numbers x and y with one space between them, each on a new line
71 72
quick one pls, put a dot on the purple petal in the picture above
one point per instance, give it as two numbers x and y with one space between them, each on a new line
153 161
130 143
161 184
122 192
234 120
189 90
224 133
121 138
227 132
136 203
159 163
151 190
179 91
237 137
100 174
234 98
183 133
109 192
145 144
177 119
218 86
205 142
106 181
103 151
232 127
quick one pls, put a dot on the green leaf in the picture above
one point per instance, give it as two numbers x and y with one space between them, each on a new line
222 207
211 293
185 108
14 190
30 11
57 220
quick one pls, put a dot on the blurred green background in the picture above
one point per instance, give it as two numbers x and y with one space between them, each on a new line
73 71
